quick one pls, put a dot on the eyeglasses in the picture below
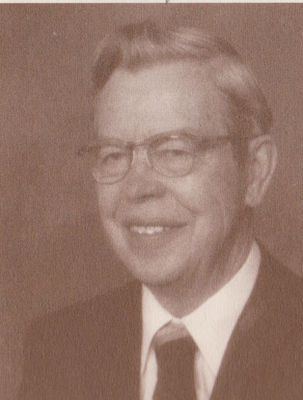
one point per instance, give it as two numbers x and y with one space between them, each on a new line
170 154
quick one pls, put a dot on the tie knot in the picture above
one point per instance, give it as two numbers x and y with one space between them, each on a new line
170 332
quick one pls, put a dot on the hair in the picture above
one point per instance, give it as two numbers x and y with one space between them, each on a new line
140 45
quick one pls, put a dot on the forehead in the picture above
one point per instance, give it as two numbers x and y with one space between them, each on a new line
160 98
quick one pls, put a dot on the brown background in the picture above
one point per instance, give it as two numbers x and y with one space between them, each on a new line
52 250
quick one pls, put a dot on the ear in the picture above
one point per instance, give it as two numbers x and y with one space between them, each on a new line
261 164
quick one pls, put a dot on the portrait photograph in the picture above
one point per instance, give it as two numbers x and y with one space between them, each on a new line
151 201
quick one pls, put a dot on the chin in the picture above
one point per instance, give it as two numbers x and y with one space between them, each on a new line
155 277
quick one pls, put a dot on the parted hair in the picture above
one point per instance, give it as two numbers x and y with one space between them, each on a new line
140 45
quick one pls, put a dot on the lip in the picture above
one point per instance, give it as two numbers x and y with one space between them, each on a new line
161 221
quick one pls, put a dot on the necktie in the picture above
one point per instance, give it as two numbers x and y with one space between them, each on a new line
175 353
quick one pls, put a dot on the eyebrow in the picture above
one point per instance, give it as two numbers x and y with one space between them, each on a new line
186 130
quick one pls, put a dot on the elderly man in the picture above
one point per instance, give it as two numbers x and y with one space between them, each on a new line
183 155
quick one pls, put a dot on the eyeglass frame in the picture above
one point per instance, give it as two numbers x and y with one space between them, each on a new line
207 142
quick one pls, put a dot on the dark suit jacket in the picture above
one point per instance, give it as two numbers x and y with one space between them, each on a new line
92 351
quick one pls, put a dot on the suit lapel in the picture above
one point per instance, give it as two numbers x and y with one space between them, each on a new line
242 374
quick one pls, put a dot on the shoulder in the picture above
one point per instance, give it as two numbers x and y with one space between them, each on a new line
99 316
281 284
65 349
274 311
276 302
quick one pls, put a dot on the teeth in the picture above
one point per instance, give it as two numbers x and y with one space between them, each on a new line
148 230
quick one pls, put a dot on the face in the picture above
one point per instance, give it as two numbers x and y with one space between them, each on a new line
168 230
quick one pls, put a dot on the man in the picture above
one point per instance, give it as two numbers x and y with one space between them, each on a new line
183 155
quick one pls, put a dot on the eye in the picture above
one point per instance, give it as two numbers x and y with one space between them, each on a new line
111 155
173 150
174 146
174 154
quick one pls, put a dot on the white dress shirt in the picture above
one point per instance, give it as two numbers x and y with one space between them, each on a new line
210 325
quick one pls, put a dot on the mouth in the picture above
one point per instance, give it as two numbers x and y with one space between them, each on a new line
150 237
149 230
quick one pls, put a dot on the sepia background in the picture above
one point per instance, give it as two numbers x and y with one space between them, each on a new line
53 252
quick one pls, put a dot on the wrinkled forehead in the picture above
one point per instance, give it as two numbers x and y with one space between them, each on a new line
160 98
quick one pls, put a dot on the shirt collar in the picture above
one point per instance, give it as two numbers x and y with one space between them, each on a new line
212 323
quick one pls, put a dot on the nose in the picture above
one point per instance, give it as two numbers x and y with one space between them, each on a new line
142 182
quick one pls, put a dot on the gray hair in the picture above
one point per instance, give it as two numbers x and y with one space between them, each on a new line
136 46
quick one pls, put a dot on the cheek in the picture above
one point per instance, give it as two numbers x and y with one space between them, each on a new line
108 198
214 196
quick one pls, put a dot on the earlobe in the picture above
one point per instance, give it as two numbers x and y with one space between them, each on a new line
261 164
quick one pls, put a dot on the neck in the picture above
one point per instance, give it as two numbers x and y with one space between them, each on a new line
183 296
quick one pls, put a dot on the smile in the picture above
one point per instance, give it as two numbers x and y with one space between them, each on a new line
149 230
